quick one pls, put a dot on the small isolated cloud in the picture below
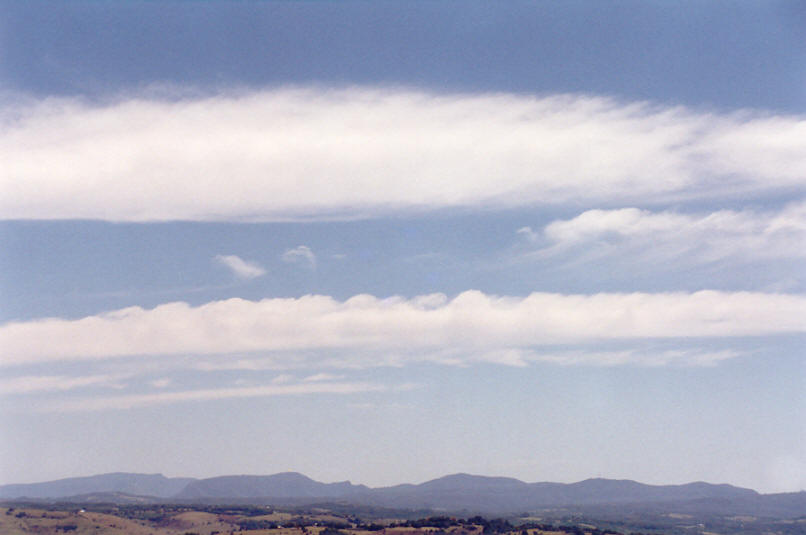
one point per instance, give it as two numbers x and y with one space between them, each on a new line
322 377
161 383
527 234
301 255
241 268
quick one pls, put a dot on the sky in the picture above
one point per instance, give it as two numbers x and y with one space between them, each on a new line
389 241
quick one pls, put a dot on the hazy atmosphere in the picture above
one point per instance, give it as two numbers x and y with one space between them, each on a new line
389 241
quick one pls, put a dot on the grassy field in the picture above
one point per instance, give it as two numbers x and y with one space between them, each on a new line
25 521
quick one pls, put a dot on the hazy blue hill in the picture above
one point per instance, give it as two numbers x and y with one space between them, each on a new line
617 491
500 494
470 482
284 485
461 494
136 484
454 492
781 506
485 494
119 498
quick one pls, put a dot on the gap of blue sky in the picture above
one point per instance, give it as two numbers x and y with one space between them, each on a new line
726 55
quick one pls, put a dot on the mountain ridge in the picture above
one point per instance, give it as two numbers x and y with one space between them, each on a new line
461 493
156 485
291 484
281 485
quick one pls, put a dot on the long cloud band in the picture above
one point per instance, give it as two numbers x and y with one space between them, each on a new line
289 154
472 322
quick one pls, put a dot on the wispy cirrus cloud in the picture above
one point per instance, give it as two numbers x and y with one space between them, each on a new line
240 268
589 356
310 153
56 383
472 324
131 401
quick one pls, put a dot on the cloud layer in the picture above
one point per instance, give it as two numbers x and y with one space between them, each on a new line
464 328
315 153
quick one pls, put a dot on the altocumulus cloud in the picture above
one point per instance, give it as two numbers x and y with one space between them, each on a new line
294 154
666 235
474 325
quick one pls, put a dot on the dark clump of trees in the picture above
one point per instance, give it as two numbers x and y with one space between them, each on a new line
250 523
440 522
495 525
370 527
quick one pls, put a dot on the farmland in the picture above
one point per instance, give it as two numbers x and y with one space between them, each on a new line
180 520
42 518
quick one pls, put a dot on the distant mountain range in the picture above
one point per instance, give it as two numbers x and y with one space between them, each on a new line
155 485
458 493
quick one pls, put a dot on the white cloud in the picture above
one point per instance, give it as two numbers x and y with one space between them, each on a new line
631 357
463 357
322 153
282 379
665 236
163 382
527 233
323 377
55 383
462 329
241 268
163 398
301 254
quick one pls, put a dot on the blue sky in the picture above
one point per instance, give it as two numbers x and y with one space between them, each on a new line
387 241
